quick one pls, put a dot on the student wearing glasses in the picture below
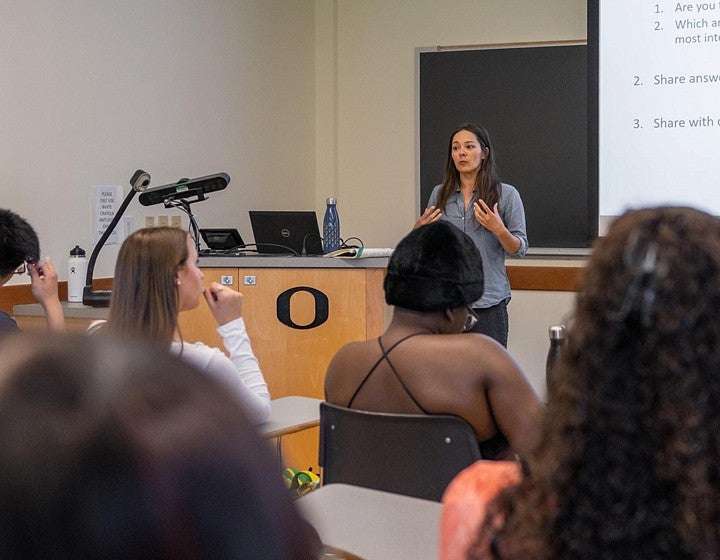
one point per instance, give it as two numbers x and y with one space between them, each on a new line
423 363
19 253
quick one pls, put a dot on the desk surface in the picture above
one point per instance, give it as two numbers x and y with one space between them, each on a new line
70 310
372 524
289 261
289 415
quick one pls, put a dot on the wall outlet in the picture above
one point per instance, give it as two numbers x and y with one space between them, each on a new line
128 225
163 221
149 221
176 221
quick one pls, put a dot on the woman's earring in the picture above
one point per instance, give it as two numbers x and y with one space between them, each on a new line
177 282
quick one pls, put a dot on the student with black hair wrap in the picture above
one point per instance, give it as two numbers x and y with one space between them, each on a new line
423 363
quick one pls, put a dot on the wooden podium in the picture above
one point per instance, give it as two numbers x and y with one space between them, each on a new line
298 311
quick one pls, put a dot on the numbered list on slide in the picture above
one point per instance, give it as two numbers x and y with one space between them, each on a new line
659 104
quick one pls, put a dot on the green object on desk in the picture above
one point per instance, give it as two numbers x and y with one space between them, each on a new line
300 482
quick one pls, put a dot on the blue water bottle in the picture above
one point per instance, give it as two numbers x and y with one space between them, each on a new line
331 227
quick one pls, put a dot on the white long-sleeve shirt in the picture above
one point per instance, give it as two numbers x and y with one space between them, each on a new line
240 372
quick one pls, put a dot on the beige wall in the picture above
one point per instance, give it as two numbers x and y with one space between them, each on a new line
94 89
295 99
531 313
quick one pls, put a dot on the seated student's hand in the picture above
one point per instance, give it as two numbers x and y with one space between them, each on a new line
430 215
224 303
44 281
44 284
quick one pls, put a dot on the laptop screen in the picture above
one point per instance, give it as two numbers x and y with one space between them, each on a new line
286 232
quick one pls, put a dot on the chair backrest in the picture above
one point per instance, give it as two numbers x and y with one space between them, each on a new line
412 454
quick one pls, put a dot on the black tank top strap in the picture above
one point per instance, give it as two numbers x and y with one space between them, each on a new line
377 363
397 376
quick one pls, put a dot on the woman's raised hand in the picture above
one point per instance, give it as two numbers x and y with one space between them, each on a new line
224 302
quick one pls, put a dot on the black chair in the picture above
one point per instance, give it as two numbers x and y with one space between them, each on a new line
411 454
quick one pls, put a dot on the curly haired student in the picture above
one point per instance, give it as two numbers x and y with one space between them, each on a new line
628 466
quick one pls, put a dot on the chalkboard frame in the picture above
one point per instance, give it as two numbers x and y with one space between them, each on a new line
535 108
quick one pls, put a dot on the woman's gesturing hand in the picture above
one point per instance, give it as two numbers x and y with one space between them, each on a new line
489 219
430 215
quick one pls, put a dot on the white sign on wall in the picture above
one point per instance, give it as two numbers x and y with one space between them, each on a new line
106 202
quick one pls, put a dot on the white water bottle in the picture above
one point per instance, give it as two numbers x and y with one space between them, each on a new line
76 271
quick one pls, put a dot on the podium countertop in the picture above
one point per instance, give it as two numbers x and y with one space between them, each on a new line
289 261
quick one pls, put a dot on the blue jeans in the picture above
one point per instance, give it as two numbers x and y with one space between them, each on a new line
493 321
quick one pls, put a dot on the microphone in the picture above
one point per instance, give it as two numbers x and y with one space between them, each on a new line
101 298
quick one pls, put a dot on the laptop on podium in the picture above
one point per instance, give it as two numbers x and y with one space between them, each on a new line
286 232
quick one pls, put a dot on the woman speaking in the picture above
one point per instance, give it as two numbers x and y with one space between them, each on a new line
472 198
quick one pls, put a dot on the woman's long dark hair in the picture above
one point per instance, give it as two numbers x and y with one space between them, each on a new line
629 462
487 183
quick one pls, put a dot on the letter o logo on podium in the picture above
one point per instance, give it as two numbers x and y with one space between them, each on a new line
322 307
